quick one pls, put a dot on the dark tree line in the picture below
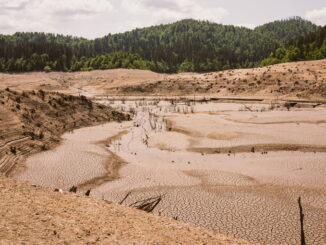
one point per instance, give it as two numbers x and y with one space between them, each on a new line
308 47
187 45
23 52
285 30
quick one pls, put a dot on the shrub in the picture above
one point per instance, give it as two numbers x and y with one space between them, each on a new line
47 68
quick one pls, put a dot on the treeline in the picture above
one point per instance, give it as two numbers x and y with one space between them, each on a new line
200 46
191 45
285 30
186 45
308 47
37 62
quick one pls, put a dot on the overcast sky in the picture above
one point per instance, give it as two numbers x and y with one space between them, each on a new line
96 18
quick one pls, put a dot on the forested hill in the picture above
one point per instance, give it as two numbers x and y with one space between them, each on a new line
285 30
186 45
309 47
191 45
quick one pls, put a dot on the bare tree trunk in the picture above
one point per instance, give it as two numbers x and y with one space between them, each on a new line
303 239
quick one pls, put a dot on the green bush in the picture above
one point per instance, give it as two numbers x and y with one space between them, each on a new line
47 68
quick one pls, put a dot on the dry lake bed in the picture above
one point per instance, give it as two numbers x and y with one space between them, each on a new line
237 168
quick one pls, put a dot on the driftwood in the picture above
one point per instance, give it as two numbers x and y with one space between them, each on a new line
303 239
147 205
124 199
248 108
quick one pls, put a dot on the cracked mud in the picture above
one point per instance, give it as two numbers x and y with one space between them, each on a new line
217 165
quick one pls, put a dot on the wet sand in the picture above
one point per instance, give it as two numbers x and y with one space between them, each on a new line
251 195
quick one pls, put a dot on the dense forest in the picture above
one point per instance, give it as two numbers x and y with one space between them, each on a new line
308 47
283 31
186 45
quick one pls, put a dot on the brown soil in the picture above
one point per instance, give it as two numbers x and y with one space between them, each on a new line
112 166
296 80
300 80
31 122
172 126
77 82
35 215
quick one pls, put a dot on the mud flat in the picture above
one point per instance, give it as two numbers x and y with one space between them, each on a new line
80 159
232 167
200 158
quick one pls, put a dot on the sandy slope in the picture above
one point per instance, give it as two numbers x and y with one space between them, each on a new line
34 215
304 80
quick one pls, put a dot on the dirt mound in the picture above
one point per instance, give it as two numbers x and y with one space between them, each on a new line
34 215
34 121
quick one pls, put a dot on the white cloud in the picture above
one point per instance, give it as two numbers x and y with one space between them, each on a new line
317 15
46 15
7 5
91 17
76 8
166 11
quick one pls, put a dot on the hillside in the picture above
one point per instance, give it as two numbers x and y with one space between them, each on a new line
297 80
183 46
308 47
31 122
285 30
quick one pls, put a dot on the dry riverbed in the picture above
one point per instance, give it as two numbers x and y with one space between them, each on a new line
232 167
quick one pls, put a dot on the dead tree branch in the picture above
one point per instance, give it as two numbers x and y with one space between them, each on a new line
303 239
